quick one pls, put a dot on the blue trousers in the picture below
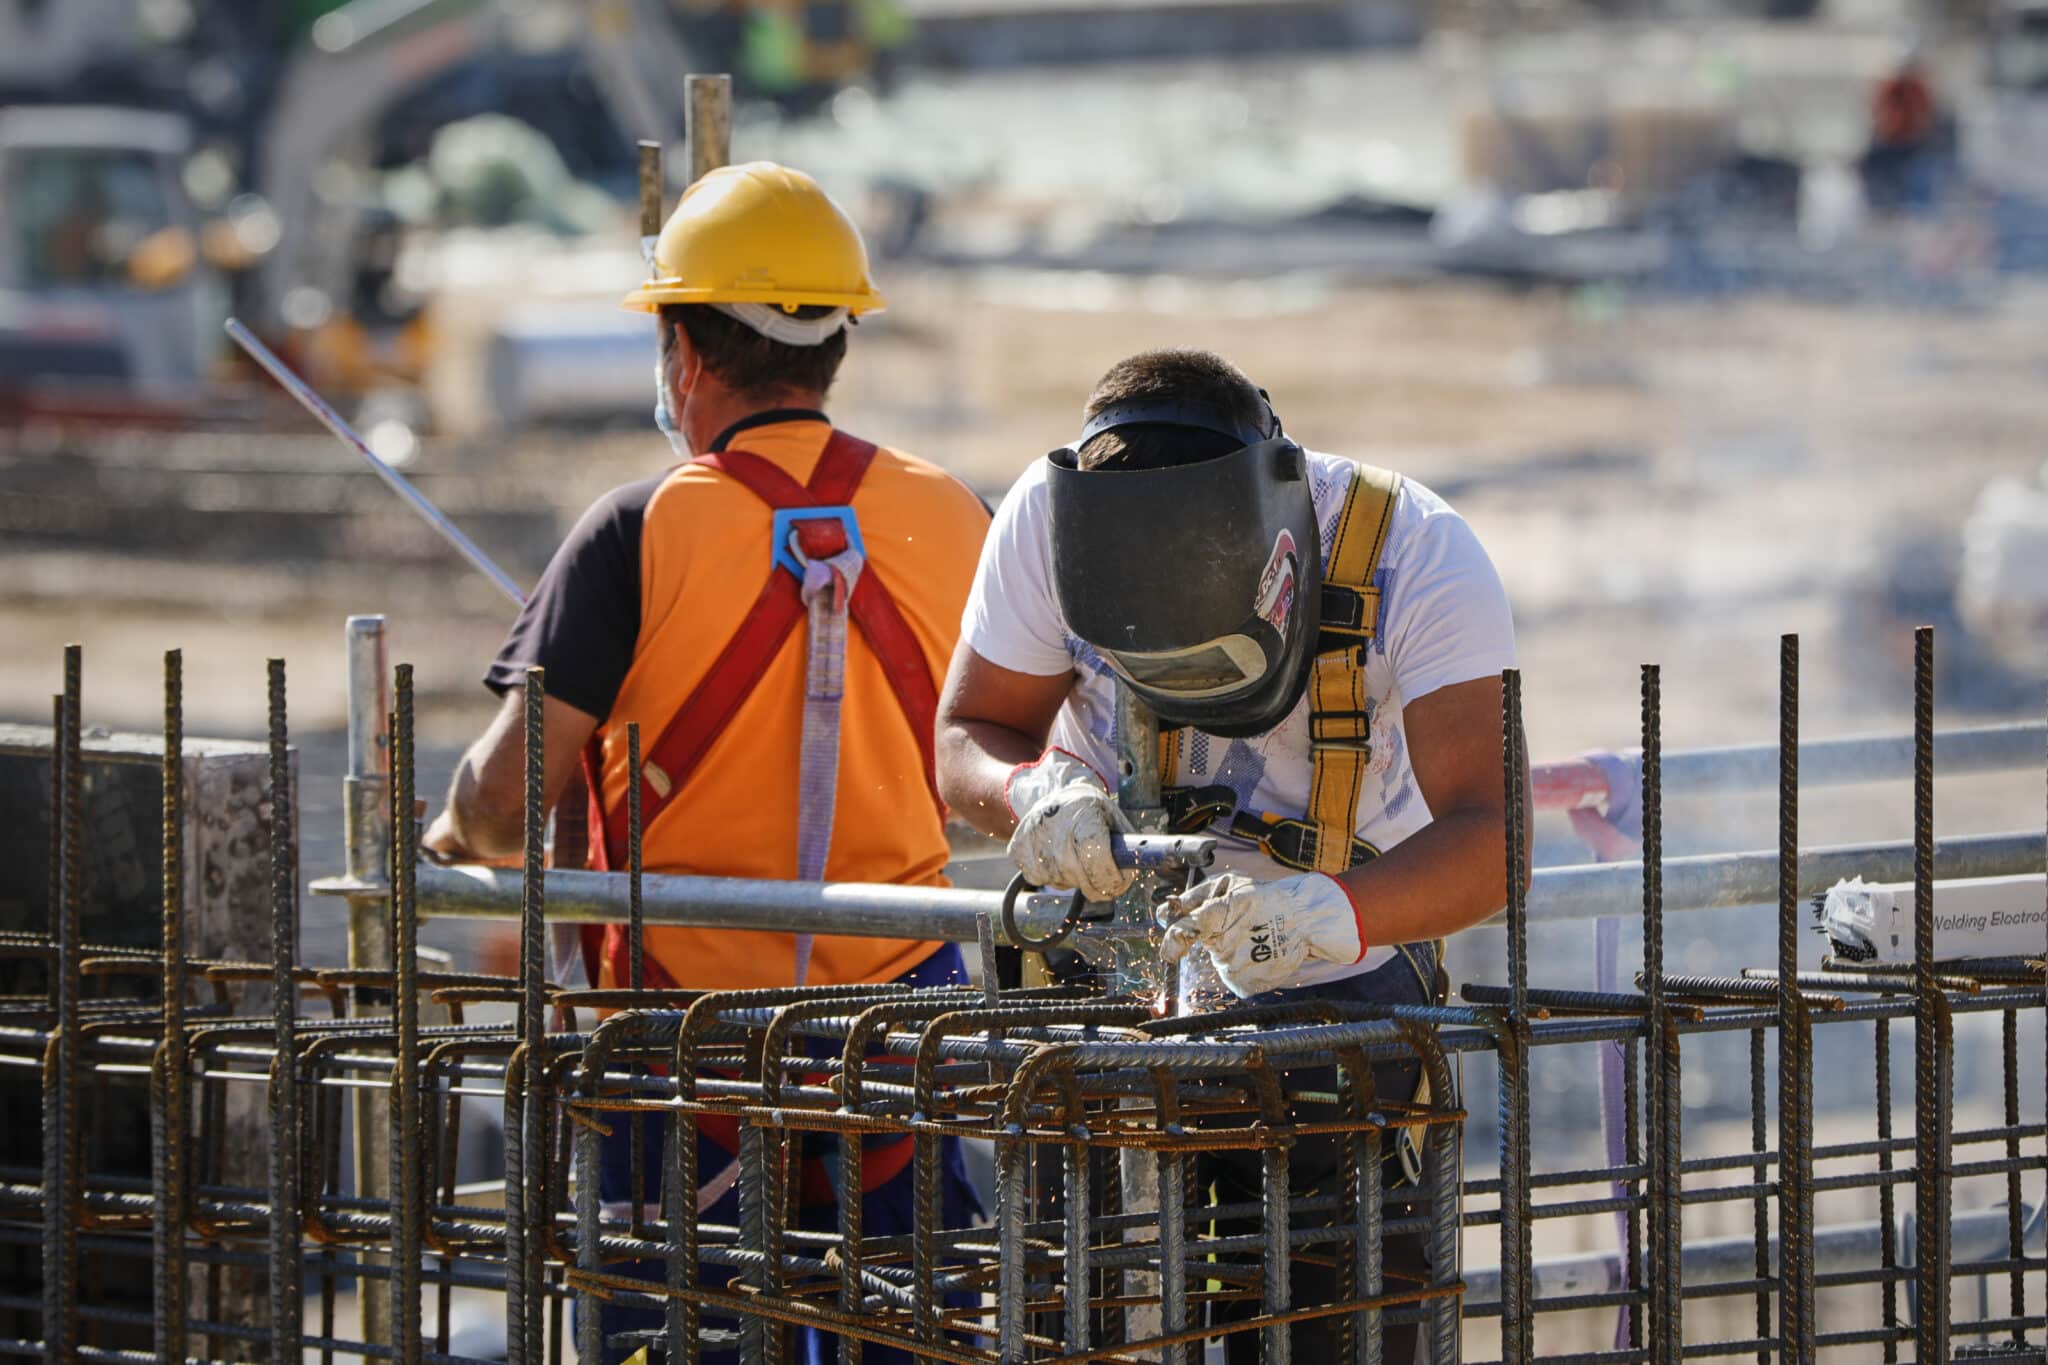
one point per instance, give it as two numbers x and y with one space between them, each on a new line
886 1210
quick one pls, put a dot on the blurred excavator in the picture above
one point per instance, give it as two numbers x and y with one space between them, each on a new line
328 170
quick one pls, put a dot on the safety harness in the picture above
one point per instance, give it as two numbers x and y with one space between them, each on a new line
1340 727
819 573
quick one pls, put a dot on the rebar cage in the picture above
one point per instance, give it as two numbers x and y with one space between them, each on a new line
1103 1242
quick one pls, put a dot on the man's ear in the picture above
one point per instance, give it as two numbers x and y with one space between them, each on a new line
687 365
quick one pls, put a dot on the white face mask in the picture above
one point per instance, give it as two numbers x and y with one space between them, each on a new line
664 420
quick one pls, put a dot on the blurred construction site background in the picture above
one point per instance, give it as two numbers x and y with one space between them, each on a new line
1718 318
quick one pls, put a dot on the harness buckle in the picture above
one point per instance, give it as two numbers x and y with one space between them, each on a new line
788 519
1292 843
1345 609
1353 730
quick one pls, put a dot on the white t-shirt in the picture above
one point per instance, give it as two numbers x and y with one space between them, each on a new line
1443 619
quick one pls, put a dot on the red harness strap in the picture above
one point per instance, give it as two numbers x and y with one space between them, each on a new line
710 707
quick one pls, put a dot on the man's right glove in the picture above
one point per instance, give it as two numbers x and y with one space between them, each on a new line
1261 934
1065 814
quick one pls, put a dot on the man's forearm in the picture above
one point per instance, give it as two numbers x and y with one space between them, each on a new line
975 760
1449 875
473 825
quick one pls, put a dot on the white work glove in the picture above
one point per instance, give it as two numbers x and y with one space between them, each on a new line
1261 934
1856 915
1064 818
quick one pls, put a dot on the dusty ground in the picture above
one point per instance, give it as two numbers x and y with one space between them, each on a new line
1658 481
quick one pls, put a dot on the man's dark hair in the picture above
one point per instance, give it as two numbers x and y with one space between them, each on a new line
748 363
1174 375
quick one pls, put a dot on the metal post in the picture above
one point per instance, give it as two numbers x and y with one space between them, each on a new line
710 104
366 841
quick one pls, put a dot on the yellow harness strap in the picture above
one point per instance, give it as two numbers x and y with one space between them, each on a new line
1340 731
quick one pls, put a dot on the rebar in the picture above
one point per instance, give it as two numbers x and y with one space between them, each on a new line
1795 1092
1076 1090
407 1129
170 1124
286 1289
62 1179
1931 1099
1518 1341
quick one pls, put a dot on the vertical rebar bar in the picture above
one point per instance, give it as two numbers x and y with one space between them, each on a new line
1760 1206
1931 1110
1013 1212
63 1182
286 1302
1887 1201
1171 1173
1632 1148
408 1135
525 1147
1517 1246
1079 1234
1795 1097
2014 1231
169 1125
636 966
1666 1327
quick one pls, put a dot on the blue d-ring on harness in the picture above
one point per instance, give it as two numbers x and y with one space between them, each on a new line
786 519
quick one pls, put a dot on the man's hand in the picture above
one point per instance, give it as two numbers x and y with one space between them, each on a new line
1064 817
485 817
442 843
1262 933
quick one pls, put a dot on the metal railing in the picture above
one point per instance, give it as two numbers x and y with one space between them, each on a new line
1105 1121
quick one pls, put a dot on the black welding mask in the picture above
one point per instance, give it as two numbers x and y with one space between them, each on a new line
1199 583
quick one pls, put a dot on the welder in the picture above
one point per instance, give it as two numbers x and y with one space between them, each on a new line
1322 642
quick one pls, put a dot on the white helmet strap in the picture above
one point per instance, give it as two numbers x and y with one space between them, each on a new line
775 324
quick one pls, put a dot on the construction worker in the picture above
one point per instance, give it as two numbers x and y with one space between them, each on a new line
773 612
1323 644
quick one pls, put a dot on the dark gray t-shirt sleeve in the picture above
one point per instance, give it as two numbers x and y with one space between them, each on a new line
583 620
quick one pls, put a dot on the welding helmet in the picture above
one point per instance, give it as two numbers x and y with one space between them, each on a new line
1200 584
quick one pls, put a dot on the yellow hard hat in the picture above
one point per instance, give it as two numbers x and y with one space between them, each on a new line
759 233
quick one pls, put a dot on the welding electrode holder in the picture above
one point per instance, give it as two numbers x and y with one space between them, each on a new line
1187 854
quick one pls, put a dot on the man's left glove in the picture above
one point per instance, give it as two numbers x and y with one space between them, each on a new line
1261 934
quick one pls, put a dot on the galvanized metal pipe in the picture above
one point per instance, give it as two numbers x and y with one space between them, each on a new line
1726 769
366 884
1556 894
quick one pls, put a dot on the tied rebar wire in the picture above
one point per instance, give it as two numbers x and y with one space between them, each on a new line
63 1180
1931 1077
286 1294
1518 1328
408 1132
169 1125
1795 1097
